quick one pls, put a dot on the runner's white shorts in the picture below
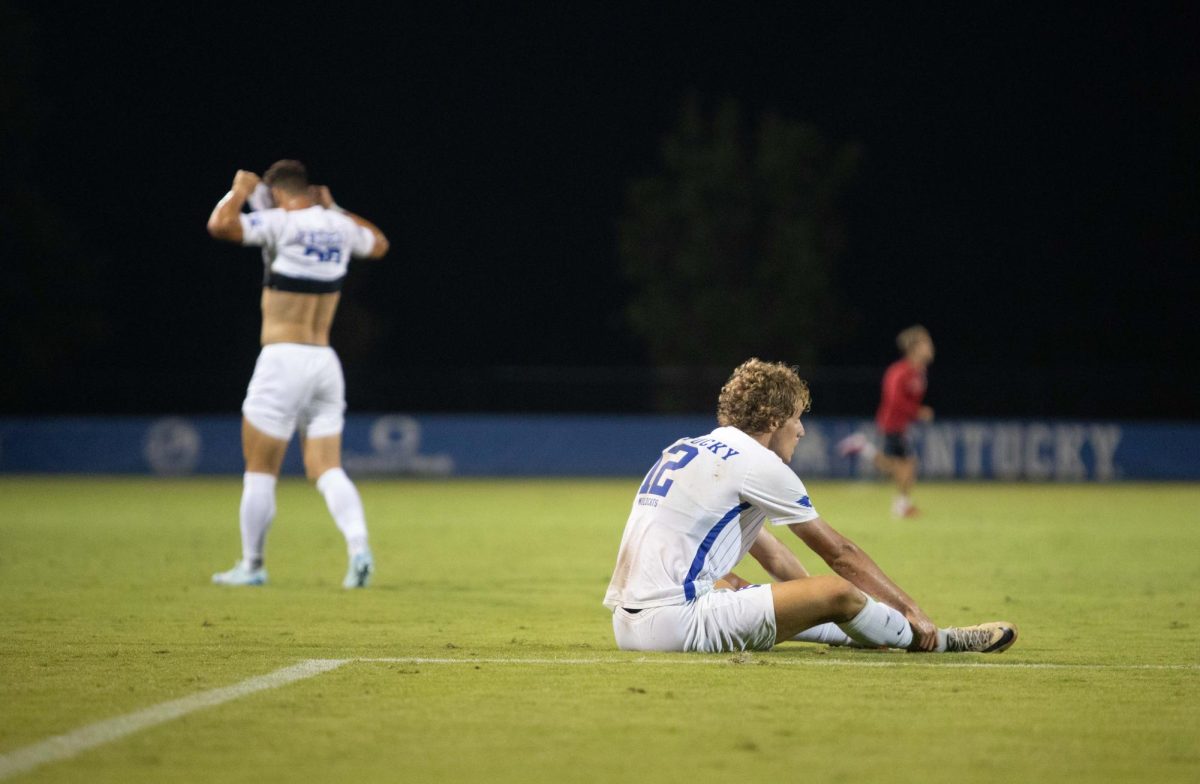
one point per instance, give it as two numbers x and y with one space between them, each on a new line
716 622
296 386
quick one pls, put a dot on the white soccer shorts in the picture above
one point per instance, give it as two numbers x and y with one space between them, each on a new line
294 386
716 622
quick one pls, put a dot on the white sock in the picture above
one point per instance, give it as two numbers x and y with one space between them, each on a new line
256 513
346 507
826 633
878 625
901 505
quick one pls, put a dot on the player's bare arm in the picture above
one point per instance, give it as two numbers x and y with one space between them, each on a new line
853 564
224 223
321 195
774 557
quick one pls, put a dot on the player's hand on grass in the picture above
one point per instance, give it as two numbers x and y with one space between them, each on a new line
925 414
924 630
244 182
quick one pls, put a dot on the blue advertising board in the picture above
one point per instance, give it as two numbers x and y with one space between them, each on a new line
511 445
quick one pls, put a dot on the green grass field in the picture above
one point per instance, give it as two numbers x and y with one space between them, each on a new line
106 609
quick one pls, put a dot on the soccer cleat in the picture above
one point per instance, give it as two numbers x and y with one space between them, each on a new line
852 445
994 637
241 574
362 566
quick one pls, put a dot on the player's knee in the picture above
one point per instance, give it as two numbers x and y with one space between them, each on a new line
846 601
314 471
314 468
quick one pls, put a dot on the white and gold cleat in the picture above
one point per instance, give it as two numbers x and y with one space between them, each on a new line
994 637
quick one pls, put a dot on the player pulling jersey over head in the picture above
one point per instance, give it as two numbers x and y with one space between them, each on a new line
703 506
307 243
305 249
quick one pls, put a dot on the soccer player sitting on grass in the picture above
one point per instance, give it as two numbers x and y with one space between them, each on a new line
899 406
702 507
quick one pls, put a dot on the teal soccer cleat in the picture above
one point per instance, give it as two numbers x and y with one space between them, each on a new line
241 574
362 566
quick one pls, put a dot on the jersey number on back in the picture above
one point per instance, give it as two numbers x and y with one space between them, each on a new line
657 481
323 253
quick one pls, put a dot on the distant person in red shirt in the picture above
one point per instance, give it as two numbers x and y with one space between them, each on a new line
899 406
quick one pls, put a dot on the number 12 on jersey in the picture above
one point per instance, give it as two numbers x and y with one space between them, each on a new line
658 481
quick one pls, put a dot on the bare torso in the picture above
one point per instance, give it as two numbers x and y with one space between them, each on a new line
290 317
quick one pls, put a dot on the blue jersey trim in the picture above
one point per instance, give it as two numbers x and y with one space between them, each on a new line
689 587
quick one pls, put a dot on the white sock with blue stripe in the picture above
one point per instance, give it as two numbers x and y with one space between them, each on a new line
879 625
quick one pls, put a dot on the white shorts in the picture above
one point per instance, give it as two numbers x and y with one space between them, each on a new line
296 386
716 622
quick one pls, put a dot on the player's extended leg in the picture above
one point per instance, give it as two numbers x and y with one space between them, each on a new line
323 465
264 458
903 471
810 601
824 633
894 461
905 474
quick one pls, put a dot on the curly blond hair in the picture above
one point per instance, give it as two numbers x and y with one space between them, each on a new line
759 396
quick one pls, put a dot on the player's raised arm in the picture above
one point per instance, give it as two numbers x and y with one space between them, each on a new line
850 562
224 223
322 196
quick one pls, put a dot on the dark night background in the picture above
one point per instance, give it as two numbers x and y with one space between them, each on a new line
1029 189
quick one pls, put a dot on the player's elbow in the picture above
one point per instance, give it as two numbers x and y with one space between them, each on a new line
843 555
382 246
219 230
776 565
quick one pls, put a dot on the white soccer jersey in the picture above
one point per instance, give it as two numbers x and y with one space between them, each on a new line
305 250
696 515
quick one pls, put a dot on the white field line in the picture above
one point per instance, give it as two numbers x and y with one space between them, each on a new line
61 747
790 662
67 745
